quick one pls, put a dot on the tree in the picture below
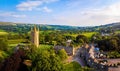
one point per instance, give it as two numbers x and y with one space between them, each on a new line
3 55
81 39
113 44
44 60
3 44
62 54
14 62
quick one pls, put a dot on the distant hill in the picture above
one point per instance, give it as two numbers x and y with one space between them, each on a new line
41 26
115 26
7 23
22 27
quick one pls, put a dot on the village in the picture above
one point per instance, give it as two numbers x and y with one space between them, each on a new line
86 55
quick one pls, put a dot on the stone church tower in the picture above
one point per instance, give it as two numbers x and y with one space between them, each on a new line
35 36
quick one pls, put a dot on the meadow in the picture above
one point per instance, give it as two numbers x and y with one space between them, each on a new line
74 66
87 34
2 32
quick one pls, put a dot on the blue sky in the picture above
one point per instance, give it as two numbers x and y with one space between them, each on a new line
61 12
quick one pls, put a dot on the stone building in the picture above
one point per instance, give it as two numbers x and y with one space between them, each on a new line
35 36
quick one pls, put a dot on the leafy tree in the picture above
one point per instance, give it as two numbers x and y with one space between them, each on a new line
81 39
44 60
3 44
113 44
3 55
62 54
14 62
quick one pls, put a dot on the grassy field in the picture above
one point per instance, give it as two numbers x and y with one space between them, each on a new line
44 47
74 66
3 33
16 41
89 34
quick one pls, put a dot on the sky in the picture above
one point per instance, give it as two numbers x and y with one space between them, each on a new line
61 12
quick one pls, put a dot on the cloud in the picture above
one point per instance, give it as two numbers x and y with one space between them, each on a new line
46 9
90 17
30 5
111 10
12 14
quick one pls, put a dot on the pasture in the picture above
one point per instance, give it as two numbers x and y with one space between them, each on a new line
74 66
3 33
89 34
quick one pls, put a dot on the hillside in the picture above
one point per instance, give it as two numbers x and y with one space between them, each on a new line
115 26
9 26
24 27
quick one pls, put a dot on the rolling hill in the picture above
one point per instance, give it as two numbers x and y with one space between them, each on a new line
18 27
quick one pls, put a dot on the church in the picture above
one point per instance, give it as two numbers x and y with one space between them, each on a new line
35 36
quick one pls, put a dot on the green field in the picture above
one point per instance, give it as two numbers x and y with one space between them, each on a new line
74 66
16 41
44 47
89 34
3 33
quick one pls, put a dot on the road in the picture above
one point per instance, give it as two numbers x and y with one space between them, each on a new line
77 58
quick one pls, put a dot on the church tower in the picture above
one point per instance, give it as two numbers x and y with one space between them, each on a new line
35 36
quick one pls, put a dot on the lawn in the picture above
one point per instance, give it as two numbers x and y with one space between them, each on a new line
44 47
74 66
